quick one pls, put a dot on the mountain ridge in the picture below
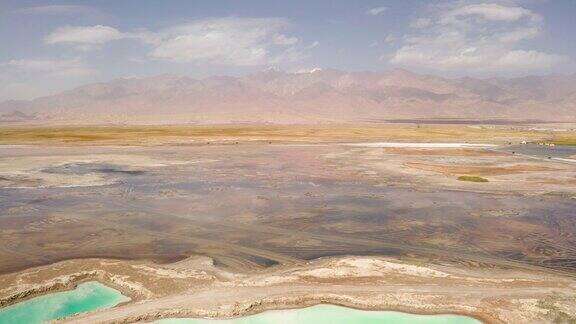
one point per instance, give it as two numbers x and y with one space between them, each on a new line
320 96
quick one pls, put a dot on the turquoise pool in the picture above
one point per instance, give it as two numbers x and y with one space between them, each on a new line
86 297
329 314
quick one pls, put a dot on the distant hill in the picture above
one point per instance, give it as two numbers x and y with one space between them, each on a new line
321 96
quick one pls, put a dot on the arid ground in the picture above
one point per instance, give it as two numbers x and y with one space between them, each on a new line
261 205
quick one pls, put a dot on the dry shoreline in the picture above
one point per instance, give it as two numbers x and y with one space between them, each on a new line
266 304
299 302
196 289
251 309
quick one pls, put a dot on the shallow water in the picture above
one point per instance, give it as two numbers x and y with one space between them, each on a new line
559 151
329 314
86 297
258 197
421 145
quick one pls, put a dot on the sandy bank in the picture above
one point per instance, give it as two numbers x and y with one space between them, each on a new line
195 288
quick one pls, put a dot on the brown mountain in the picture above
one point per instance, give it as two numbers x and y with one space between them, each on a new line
317 97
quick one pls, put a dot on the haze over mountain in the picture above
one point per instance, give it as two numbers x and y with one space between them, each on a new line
318 96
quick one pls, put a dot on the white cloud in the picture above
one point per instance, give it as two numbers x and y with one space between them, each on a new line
313 45
290 54
219 41
490 11
390 38
281 39
83 35
306 71
54 10
60 68
227 41
421 23
475 38
536 60
519 34
376 11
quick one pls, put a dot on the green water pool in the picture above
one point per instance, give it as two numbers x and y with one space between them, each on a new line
329 314
86 297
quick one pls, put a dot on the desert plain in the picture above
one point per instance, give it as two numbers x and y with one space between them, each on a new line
222 221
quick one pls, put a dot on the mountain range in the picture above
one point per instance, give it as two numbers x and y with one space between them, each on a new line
317 96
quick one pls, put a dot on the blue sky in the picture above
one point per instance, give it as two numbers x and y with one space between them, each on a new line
50 46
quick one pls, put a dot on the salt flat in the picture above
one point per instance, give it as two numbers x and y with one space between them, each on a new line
267 210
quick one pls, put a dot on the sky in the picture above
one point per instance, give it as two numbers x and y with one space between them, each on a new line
51 46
